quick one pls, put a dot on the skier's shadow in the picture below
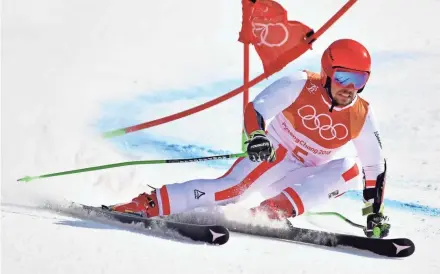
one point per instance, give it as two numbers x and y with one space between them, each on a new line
132 228
95 222
85 224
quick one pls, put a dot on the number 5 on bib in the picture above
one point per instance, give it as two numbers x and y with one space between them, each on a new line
299 153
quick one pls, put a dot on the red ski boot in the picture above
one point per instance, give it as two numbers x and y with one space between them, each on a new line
145 205
276 208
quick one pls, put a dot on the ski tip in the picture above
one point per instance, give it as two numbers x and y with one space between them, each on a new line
220 234
403 247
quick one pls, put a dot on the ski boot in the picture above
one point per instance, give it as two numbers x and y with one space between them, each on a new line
275 208
144 205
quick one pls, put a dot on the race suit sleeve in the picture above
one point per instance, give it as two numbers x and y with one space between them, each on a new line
273 100
369 148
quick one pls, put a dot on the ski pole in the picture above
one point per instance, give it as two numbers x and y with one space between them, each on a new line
337 215
146 162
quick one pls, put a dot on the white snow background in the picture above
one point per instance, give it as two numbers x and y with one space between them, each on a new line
74 69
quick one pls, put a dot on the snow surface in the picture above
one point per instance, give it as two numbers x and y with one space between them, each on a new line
74 69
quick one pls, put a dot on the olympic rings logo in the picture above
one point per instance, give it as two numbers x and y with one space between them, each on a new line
264 32
323 123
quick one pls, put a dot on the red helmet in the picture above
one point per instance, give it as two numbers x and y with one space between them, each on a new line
344 54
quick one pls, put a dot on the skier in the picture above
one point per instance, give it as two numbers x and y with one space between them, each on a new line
290 159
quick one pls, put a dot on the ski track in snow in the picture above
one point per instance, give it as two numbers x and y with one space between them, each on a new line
74 69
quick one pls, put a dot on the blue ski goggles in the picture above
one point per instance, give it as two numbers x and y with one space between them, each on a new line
345 78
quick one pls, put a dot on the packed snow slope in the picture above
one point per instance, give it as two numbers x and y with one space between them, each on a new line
74 69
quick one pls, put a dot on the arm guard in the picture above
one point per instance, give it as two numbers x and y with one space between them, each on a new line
253 120
374 196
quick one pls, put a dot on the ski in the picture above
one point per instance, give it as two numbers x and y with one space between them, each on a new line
219 234
210 234
398 247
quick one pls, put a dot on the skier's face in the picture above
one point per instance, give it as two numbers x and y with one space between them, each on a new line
343 95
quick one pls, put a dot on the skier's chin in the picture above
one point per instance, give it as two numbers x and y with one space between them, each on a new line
343 101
